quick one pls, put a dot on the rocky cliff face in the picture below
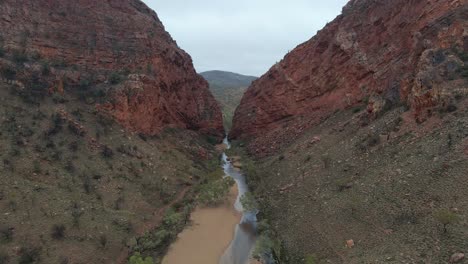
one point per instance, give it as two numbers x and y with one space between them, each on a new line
378 53
119 46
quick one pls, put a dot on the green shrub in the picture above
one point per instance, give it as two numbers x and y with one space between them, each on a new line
19 57
173 220
9 73
29 255
263 246
103 241
215 191
138 259
212 140
76 214
35 56
58 63
57 125
463 56
464 72
326 160
58 231
6 234
4 258
85 83
70 166
87 185
248 202
88 95
357 109
123 225
58 99
370 141
119 203
263 227
159 239
153 241
343 184
35 90
446 218
115 78
311 259
37 167
107 152
45 68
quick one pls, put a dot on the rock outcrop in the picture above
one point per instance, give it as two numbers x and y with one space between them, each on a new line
120 45
379 53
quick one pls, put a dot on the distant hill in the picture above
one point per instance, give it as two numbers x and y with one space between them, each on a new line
228 88
228 79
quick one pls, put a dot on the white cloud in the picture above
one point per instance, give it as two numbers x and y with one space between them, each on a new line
244 36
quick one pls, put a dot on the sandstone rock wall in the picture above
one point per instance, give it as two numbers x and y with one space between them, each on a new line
380 53
87 41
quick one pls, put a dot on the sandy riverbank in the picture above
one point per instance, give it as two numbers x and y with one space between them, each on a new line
206 239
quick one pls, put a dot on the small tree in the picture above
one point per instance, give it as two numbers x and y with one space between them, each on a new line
446 217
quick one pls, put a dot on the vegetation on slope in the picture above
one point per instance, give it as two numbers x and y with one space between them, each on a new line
357 191
228 89
77 188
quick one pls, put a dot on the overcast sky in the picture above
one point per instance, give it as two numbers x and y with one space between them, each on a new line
243 36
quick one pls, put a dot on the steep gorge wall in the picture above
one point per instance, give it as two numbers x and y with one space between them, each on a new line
92 43
379 53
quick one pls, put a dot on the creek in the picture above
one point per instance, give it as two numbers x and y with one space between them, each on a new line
225 234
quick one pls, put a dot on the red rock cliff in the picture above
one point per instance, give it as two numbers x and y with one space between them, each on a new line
89 42
378 51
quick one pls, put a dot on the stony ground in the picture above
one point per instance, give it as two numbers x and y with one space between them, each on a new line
383 184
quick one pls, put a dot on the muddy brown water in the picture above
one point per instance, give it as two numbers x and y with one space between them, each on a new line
206 239
221 235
